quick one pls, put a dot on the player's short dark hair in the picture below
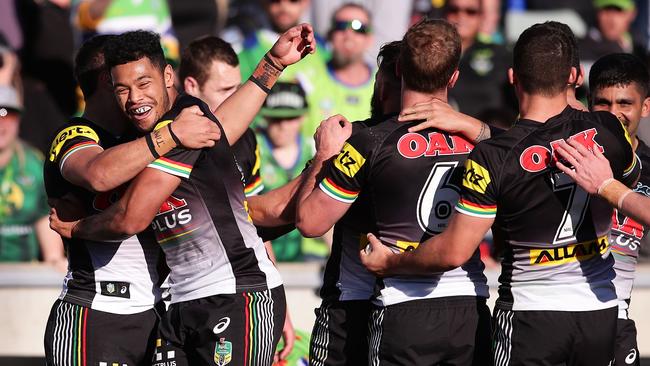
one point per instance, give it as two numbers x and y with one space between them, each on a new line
620 69
566 31
133 46
89 63
387 58
542 60
197 57
430 55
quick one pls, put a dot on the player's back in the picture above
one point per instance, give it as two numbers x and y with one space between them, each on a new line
413 182
554 237
116 277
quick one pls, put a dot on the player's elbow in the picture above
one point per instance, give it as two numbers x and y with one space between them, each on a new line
452 260
98 181
129 225
310 228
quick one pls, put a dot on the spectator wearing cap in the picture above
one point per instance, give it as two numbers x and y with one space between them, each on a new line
612 32
482 88
23 203
345 84
284 152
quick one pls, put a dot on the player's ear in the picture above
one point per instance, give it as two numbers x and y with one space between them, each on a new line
453 79
573 76
581 76
645 107
511 76
168 75
191 86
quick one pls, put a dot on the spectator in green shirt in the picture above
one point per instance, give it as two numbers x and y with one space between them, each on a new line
284 152
25 234
345 84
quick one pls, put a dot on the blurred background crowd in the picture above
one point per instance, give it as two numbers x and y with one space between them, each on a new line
38 39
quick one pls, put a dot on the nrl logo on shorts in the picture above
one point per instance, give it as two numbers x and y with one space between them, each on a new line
110 288
222 352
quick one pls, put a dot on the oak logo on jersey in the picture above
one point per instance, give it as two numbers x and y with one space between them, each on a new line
413 145
349 160
68 134
569 253
475 176
536 158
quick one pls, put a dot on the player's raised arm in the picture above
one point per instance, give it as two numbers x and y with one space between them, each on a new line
132 214
238 111
84 163
448 250
592 171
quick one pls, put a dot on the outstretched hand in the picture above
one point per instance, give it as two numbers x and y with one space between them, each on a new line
293 45
590 167
375 257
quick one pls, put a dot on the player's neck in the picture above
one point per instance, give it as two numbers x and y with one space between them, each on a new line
412 97
467 43
635 142
541 108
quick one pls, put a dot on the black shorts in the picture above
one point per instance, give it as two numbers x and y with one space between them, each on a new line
446 331
238 329
77 335
627 350
554 337
340 334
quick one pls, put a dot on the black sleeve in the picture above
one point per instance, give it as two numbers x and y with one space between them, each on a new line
272 233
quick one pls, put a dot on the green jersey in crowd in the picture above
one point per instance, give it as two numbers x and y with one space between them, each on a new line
327 96
291 247
22 203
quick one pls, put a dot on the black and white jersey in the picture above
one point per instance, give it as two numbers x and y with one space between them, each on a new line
210 243
114 277
554 238
627 235
412 181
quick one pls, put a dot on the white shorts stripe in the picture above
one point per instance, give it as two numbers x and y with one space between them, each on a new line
502 337
374 342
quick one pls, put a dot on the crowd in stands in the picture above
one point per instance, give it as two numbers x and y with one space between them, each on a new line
38 40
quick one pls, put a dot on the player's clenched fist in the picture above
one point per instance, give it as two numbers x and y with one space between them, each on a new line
194 130
331 135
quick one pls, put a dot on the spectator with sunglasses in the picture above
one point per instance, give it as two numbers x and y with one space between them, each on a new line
345 84
482 88
282 15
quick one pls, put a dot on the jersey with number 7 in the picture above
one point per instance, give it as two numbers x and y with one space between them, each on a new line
554 236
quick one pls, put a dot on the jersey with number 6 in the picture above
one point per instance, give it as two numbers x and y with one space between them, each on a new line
627 235
412 182
556 250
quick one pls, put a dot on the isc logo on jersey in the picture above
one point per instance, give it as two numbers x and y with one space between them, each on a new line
475 176
172 213
569 253
349 160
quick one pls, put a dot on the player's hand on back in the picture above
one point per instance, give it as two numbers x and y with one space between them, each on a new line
331 135
436 114
293 45
375 257
591 170
194 129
